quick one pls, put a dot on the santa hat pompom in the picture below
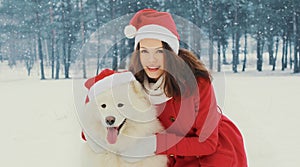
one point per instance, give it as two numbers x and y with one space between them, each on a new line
130 31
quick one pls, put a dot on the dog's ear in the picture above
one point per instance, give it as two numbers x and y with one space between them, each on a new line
138 92
137 87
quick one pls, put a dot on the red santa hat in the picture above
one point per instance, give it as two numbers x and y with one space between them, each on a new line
107 79
149 23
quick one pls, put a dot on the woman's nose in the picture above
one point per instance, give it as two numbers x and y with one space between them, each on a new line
152 57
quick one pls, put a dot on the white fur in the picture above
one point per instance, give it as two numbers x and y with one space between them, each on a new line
141 121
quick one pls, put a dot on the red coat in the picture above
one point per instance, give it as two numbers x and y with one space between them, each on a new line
197 134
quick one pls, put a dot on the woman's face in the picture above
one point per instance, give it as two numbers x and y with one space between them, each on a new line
152 57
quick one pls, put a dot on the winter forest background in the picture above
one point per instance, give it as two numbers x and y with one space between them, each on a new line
241 34
254 42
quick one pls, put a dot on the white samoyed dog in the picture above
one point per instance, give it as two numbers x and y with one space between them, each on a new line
117 117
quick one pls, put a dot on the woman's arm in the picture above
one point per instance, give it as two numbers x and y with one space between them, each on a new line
205 139
171 144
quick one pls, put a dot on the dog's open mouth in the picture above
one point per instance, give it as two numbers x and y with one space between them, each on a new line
113 132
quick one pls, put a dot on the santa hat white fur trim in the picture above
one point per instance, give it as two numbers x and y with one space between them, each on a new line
109 82
130 31
158 32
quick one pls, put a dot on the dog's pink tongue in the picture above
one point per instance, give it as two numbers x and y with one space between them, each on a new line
112 135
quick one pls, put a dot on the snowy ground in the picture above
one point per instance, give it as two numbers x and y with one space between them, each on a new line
39 126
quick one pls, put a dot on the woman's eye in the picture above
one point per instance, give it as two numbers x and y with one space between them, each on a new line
120 104
144 51
160 51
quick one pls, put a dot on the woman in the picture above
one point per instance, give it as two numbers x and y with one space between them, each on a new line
196 134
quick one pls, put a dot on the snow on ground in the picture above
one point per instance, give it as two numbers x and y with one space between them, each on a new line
267 112
39 126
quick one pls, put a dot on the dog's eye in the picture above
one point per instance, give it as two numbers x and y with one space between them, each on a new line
103 105
120 104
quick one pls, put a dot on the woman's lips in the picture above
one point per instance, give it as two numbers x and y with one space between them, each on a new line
153 69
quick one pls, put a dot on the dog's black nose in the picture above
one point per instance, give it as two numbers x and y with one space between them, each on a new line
110 120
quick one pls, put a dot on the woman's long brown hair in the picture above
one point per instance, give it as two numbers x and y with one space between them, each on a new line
180 70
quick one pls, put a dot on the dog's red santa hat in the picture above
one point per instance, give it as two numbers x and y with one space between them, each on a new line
149 23
107 79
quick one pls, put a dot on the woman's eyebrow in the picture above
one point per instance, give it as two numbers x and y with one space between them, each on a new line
151 48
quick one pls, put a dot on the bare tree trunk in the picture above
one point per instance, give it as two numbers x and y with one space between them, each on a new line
46 50
290 53
115 50
64 40
40 51
52 44
67 37
245 52
286 52
57 62
82 27
233 49
64 54
210 50
258 55
276 52
296 65
259 52
219 56
98 36
35 48
237 46
237 49
69 40
196 20
234 52
237 34
235 41
98 55
67 73
298 41
284 41
271 50
224 54
1 57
